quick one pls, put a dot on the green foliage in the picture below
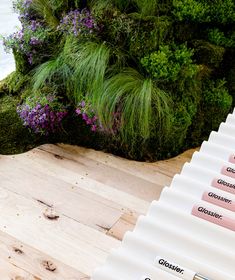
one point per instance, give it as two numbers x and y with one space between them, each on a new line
141 103
208 54
100 6
91 64
54 72
214 106
167 63
147 7
148 34
14 138
192 10
222 11
78 69
15 83
153 74
216 94
45 10
218 38
84 69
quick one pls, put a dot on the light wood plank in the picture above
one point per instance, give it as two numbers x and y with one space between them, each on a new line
15 254
94 197
103 173
69 242
64 180
12 272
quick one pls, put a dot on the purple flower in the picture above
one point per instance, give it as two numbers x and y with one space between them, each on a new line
78 111
30 58
78 23
87 113
42 118
93 128
84 116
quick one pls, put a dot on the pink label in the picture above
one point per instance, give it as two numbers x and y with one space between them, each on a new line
223 185
222 201
228 171
232 159
213 216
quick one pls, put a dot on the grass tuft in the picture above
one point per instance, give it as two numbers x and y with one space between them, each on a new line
45 10
141 103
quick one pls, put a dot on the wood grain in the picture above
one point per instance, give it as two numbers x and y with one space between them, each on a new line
63 208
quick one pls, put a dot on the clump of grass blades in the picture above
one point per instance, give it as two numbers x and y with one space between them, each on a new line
55 72
147 7
81 67
90 66
85 69
45 10
98 6
142 105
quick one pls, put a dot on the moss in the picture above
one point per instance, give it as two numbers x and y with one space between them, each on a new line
148 34
208 54
15 83
22 64
14 138
214 106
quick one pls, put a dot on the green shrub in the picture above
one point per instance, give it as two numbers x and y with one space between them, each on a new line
216 94
167 63
148 34
208 54
213 108
222 11
218 38
191 10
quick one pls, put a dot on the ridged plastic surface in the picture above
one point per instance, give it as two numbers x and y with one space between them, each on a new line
190 232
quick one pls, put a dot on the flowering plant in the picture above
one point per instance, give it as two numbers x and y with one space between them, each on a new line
42 114
28 40
78 23
23 8
86 111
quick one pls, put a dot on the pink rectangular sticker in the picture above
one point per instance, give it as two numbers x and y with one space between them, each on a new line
232 158
223 185
228 171
213 216
216 199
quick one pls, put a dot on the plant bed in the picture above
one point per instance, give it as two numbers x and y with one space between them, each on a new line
141 79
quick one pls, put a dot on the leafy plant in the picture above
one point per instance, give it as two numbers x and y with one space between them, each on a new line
192 10
141 104
216 94
45 10
146 75
222 11
166 64
56 72
218 37
85 110
78 23
80 68
42 114
28 40
147 7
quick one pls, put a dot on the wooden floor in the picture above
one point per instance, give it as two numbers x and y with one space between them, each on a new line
63 208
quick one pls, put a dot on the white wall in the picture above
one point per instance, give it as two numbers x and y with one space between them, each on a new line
8 23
